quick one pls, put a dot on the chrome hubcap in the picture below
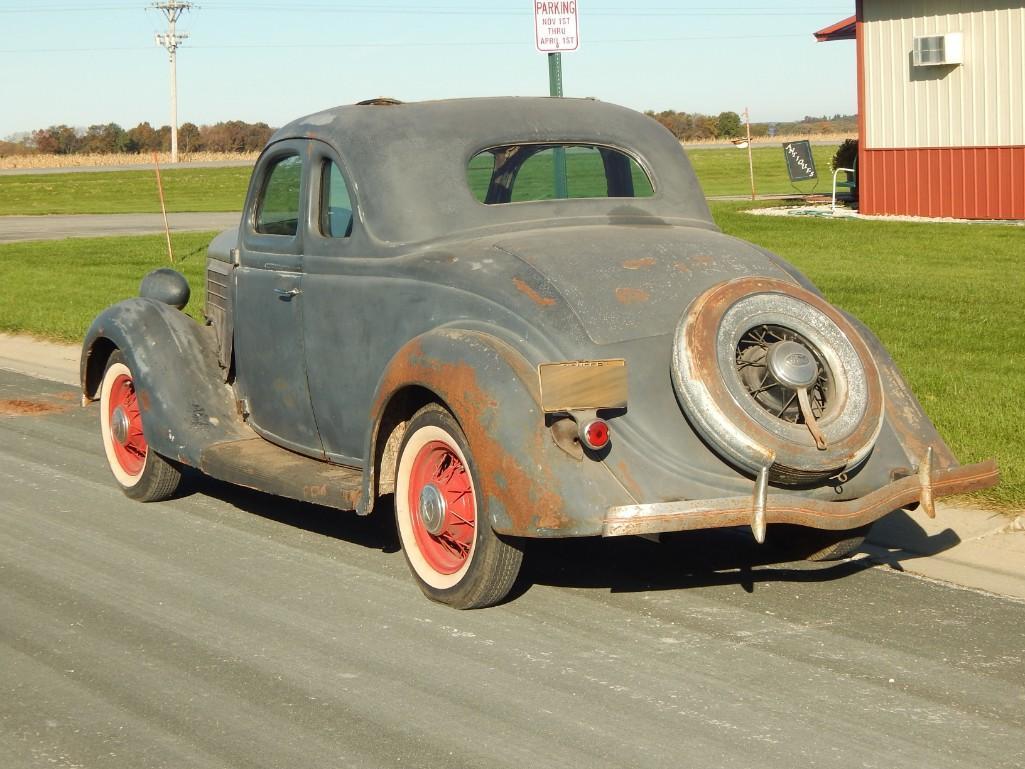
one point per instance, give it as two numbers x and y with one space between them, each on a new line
792 364
119 424
432 509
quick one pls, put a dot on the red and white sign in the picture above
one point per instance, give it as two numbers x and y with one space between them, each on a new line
555 26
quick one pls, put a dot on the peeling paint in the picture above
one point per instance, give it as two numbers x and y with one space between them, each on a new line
639 264
543 301
631 295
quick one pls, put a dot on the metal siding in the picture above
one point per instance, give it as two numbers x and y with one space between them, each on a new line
979 103
959 182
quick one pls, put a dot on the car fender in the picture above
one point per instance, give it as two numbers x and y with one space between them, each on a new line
904 414
184 403
531 486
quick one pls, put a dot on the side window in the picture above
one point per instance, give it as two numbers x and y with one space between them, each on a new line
335 204
278 210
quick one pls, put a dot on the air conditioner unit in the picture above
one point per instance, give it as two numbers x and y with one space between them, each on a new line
938 50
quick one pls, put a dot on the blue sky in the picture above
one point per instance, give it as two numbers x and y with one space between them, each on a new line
96 61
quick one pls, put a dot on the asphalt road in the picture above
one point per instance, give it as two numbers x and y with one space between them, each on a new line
58 227
230 629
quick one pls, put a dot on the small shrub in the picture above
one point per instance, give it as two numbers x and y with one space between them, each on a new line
846 154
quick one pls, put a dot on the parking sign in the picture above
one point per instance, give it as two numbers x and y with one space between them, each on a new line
555 26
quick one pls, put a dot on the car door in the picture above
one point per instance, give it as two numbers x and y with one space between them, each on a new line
336 286
269 357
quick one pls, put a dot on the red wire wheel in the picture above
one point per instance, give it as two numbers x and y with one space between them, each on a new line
442 520
141 472
123 415
121 424
442 507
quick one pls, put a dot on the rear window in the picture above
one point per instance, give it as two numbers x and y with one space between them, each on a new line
518 173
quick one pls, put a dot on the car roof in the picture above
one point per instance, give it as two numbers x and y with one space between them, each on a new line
408 161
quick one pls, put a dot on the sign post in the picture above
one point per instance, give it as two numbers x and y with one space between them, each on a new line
556 30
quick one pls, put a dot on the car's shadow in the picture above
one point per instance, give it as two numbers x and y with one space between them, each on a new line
375 531
714 557
694 559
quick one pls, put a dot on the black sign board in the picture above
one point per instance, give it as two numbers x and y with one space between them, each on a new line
800 163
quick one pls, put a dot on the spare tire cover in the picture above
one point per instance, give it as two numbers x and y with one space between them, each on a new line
743 350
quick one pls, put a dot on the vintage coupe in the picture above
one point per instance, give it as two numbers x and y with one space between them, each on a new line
518 317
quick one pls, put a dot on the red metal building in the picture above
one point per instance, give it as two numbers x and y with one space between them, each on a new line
941 106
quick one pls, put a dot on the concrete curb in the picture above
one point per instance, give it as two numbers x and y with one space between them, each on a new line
964 546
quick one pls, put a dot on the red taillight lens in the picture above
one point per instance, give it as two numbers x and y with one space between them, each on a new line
595 434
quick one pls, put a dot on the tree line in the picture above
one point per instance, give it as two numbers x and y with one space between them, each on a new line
691 126
109 138
239 136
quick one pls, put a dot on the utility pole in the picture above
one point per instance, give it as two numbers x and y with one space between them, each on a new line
170 40
750 158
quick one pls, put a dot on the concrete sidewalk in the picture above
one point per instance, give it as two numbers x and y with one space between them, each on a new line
964 546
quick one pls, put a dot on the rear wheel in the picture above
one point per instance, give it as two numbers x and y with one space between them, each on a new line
455 556
141 472
818 544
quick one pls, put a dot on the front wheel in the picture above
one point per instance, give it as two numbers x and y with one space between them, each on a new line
446 537
141 473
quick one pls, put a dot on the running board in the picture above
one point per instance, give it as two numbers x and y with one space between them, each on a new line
258 464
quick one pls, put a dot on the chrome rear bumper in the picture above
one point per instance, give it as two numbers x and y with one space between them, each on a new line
762 507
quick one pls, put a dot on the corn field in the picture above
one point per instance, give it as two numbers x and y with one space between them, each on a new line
124 159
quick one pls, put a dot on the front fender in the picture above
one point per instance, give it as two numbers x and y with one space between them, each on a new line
531 487
184 404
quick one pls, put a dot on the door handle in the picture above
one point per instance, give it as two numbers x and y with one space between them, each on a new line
287 293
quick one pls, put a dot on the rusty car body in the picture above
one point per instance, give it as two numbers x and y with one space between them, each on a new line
517 316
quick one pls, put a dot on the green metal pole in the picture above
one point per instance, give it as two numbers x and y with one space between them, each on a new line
559 159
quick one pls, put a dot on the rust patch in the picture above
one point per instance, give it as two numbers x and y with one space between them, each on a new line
542 301
639 264
681 267
27 408
631 295
524 485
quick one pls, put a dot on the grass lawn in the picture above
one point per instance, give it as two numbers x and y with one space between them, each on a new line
124 192
945 299
725 171
54 288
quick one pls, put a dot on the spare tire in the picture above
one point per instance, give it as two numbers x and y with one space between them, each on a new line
742 352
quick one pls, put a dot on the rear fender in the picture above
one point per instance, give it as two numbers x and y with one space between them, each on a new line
184 403
911 426
531 487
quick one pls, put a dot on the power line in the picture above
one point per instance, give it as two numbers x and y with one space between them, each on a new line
416 44
420 10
